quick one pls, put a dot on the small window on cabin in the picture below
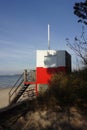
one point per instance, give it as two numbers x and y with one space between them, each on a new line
50 61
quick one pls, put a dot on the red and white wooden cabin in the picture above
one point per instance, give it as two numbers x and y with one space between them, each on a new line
49 62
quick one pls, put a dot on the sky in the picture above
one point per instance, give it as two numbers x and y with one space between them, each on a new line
23 30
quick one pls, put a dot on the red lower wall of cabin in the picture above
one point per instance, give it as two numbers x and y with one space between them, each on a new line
43 75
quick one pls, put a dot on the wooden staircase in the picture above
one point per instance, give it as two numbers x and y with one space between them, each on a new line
19 94
18 89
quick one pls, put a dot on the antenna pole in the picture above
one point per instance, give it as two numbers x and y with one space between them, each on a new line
48 37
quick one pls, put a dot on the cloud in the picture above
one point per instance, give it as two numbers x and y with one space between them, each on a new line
16 59
16 50
17 54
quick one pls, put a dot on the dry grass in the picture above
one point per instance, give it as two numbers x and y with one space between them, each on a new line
50 120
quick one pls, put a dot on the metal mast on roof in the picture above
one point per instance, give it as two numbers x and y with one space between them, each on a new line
48 37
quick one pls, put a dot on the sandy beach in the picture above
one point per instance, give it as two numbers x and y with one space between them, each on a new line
4 97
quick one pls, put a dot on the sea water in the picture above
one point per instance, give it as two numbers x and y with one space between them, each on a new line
8 80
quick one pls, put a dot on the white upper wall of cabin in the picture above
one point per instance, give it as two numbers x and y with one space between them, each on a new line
57 58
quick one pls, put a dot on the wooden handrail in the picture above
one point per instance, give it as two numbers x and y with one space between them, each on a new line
12 91
16 82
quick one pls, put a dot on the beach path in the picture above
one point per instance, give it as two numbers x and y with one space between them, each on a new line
4 97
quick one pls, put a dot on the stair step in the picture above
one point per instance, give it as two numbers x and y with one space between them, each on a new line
21 91
23 88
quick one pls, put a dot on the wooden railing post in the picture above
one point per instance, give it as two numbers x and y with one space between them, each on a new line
25 75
